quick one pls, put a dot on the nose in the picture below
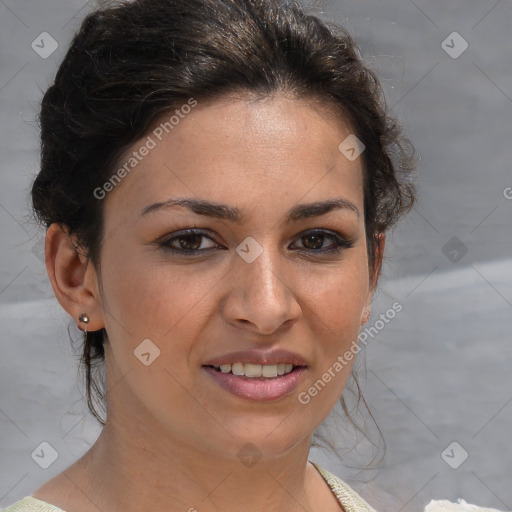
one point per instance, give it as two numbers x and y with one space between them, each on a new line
261 297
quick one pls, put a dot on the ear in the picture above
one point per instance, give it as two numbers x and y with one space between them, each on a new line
374 275
73 278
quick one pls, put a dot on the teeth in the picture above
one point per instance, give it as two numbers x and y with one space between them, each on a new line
252 370
256 370
237 369
269 370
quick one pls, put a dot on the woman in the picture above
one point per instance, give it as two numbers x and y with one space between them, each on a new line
216 182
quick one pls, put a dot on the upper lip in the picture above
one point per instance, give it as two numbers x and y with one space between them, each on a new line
258 356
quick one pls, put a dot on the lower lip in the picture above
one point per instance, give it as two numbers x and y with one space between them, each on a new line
255 389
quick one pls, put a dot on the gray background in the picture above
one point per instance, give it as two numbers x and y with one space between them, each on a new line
438 373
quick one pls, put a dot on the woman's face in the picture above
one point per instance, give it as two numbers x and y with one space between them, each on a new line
275 278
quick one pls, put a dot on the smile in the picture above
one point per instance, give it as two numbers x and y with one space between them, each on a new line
256 370
256 382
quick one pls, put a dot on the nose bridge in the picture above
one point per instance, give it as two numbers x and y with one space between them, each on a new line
264 271
259 293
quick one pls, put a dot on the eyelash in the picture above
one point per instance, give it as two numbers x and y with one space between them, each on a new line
339 242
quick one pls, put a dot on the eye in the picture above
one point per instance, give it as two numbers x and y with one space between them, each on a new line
313 241
188 242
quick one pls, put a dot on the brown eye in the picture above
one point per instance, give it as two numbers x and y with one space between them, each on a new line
190 242
314 241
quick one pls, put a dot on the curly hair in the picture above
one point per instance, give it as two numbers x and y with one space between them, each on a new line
132 61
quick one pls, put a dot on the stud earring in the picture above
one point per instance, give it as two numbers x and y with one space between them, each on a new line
83 318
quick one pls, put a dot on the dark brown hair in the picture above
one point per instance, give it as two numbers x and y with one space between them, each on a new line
130 62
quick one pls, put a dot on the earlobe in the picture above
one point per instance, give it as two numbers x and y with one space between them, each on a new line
73 277
366 314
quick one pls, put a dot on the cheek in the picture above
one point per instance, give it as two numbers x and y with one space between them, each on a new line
338 295
336 301
150 298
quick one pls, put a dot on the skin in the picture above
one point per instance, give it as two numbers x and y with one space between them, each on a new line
172 434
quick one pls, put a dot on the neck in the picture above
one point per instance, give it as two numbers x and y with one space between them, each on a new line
133 466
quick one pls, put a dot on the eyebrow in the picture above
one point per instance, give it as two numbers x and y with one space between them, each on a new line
234 214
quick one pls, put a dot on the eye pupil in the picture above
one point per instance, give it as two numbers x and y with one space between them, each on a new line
196 242
317 240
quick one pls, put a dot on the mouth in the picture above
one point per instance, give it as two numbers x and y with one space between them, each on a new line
256 371
256 382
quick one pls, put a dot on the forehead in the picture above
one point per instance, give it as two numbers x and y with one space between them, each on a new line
234 148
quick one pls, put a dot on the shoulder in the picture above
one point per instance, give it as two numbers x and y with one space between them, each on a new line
348 498
51 490
31 504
